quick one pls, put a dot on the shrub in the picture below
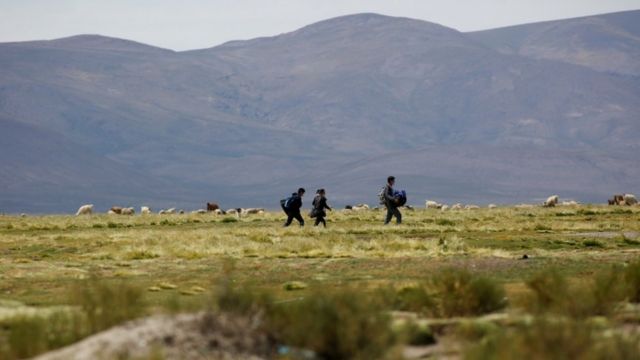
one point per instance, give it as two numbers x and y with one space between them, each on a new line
463 294
415 299
107 303
632 281
549 338
553 293
346 324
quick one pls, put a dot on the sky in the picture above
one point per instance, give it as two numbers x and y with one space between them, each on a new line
195 24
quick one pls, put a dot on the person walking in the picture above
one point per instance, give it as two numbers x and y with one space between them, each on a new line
391 202
291 207
319 204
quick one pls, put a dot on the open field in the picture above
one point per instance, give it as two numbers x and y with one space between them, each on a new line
176 263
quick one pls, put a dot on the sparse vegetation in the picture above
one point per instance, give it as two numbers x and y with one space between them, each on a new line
457 270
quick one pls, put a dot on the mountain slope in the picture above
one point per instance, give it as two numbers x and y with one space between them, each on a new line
608 43
340 104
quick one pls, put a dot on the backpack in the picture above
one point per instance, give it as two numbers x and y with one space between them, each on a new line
286 202
381 197
401 196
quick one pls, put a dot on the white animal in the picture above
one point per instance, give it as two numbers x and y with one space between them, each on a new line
85 210
170 211
444 207
492 206
218 212
232 212
429 204
569 203
145 210
253 211
360 207
630 199
551 201
472 207
128 211
111 212
457 206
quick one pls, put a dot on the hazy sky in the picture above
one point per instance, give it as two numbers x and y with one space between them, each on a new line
190 24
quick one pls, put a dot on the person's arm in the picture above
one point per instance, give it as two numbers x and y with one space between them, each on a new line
326 205
388 194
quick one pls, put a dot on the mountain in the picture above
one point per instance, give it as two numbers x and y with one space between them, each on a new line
338 104
607 43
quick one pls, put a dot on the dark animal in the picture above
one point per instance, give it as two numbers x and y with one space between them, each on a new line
212 206
617 200
348 207
116 209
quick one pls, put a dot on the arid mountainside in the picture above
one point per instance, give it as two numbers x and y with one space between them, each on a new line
490 116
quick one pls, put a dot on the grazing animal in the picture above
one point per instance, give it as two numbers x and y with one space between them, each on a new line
457 206
429 204
551 201
472 207
360 207
630 199
145 210
111 212
444 207
409 207
569 203
200 211
253 211
127 211
116 209
232 212
617 200
492 206
171 211
218 212
348 207
85 210
212 207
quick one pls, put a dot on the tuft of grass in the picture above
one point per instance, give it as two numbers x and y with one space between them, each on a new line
463 294
445 222
229 220
593 243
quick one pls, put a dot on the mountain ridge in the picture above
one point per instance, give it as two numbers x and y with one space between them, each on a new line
244 123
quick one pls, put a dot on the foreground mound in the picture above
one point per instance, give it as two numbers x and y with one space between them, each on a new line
185 336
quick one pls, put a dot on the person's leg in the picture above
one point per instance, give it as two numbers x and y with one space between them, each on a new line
324 222
398 216
299 218
389 215
289 219
318 219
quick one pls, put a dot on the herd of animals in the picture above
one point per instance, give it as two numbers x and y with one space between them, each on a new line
552 201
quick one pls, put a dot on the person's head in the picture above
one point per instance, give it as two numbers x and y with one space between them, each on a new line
391 180
321 192
301 191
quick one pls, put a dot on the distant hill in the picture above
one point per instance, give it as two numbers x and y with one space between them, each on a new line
608 43
339 104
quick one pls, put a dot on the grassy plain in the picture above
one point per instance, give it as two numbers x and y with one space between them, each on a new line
176 259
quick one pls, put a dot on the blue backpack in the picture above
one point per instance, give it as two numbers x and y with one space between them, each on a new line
401 196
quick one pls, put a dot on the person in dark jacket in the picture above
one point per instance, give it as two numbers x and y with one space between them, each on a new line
319 204
292 208
391 202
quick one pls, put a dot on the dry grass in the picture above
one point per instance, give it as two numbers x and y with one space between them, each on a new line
172 260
